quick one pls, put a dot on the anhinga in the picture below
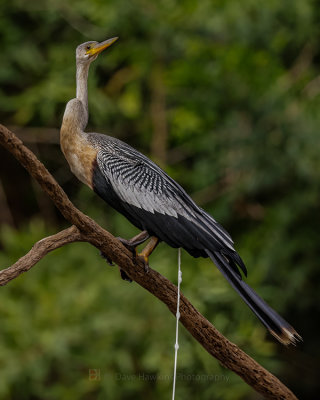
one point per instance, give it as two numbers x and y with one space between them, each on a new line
140 190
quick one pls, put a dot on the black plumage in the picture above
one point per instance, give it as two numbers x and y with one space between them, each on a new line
152 201
140 190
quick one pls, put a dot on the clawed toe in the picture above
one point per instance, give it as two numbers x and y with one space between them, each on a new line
145 261
131 245
128 245
124 275
108 259
146 267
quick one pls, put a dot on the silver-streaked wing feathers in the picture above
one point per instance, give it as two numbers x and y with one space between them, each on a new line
143 184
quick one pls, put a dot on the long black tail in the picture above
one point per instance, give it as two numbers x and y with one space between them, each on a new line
277 326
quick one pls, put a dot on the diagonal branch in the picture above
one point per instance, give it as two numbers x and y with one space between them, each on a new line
85 229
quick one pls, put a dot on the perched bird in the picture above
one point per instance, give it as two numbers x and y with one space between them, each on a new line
152 201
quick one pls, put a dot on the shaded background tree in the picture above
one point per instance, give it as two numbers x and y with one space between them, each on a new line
225 97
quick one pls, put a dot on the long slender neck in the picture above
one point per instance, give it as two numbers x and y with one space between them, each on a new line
82 87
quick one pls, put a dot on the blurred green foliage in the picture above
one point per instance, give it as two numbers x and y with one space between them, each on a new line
230 90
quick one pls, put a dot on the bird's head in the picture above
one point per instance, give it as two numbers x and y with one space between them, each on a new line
89 51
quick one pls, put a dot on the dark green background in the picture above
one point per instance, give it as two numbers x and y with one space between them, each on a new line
224 95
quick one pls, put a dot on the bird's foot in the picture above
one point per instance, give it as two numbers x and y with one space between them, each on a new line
128 245
124 275
132 243
144 255
145 260
108 259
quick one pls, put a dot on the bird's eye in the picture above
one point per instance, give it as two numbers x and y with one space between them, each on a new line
88 47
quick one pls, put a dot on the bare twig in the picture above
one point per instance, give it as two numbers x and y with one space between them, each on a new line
85 229
38 251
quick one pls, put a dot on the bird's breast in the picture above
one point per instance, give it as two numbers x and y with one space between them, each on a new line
80 154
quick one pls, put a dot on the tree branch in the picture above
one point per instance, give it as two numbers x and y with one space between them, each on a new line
85 229
38 251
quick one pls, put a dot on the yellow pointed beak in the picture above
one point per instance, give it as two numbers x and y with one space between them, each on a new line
98 48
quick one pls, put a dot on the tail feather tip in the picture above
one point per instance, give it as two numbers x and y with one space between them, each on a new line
287 336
